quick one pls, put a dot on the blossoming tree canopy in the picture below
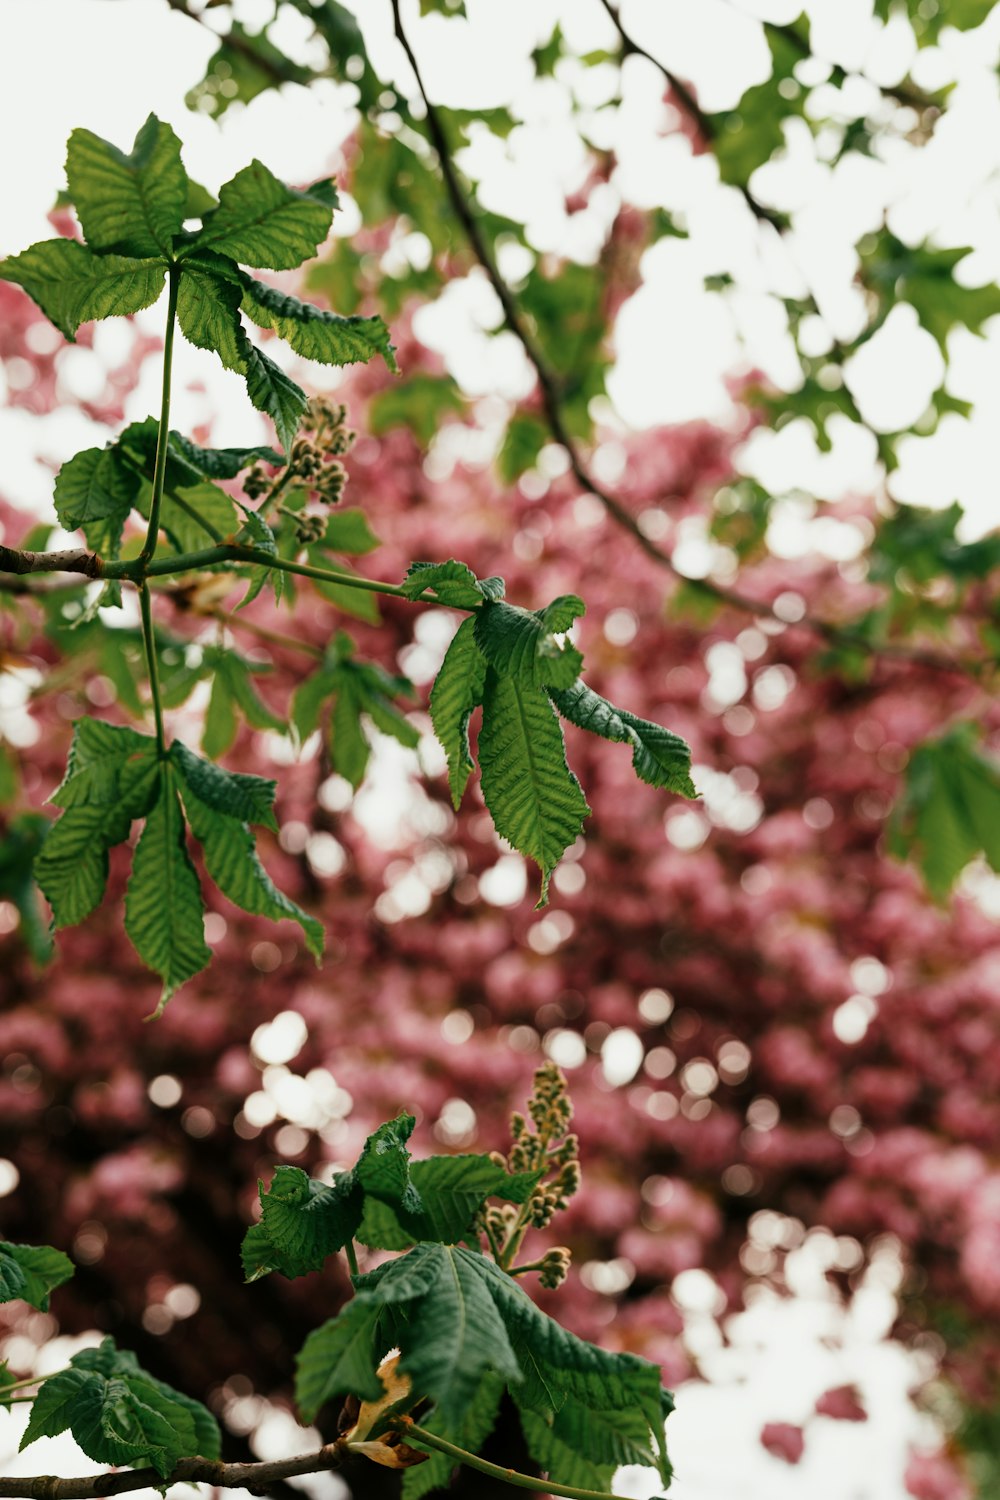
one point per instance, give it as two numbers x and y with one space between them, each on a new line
763 1005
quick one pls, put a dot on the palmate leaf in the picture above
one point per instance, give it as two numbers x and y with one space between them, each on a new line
325 337
659 757
72 285
261 222
208 314
134 203
118 1414
31 1272
533 797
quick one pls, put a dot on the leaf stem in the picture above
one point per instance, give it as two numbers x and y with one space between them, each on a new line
163 435
149 642
352 1259
414 1433
17 1385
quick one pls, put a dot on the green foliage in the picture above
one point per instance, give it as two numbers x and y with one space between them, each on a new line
20 844
524 439
245 65
456 694
134 204
420 403
659 757
31 1272
748 136
925 278
72 285
452 583
354 689
461 1322
119 1414
261 222
115 775
384 1200
949 813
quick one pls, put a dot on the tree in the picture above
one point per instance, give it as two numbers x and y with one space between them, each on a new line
784 920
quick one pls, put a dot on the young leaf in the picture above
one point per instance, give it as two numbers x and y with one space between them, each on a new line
356 687
31 1272
457 692
272 391
261 222
94 491
452 583
230 853
659 757
134 203
302 1222
164 912
72 285
232 689
323 336
533 797
120 1415
339 1359
525 644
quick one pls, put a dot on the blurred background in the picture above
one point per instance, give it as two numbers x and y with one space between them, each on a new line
752 246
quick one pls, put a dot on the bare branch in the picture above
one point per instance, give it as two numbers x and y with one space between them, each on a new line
75 560
253 1476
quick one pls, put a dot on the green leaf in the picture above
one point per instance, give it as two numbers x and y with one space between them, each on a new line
748 136
273 392
457 692
134 203
245 65
95 491
230 854
659 757
452 583
325 337
247 798
31 1272
525 644
533 797
261 222
208 314
72 868
118 1414
199 201
108 766
471 1432
339 1359
72 285
460 1335
164 912
452 1190
585 1446
232 688
20 844
348 531
356 688
421 402
302 1222
222 463
950 809
524 439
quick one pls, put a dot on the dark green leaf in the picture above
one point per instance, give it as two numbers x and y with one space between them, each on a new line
249 799
72 285
474 1427
452 583
134 203
302 1222
421 402
95 491
339 1359
273 392
525 644
31 1272
20 844
659 757
222 463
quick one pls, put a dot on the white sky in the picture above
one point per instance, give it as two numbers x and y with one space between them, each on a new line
107 63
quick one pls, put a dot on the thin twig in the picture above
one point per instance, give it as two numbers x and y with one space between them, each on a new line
264 62
255 1476
414 1434
551 403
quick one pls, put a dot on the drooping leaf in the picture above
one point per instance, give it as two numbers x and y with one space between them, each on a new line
272 391
72 285
421 402
72 868
474 1427
452 583
323 336
20 845
230 854
339 1359
118 1414
134 203
232 691
261 222
583 1445
31 1272
222 463
250 799
208 314
660 757
456 694
355 688
533 797
164 911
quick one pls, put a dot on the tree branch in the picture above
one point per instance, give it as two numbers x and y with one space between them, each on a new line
253 1476
241 44
549 387
74 560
